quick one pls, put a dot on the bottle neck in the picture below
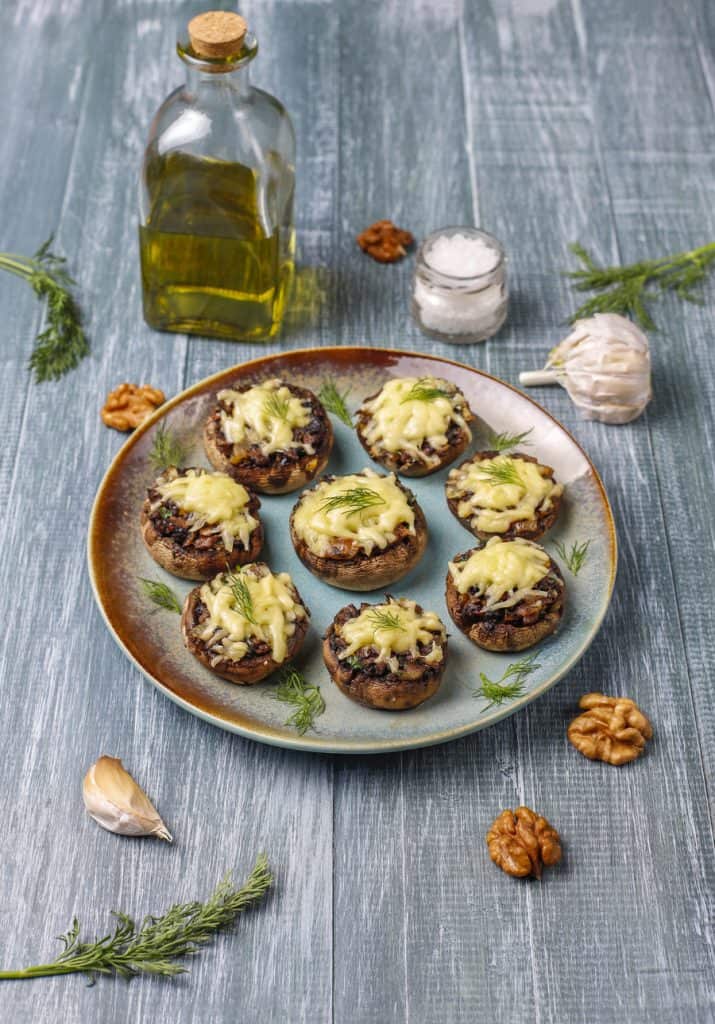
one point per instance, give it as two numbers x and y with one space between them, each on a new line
236 82
229 75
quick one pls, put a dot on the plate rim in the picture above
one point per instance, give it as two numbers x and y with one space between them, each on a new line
261 732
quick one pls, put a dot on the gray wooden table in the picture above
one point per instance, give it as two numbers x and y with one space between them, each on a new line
545 121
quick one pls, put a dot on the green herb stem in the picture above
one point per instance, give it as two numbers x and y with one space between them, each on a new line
61 346
626 290
161 595
573 557
510 686
335 401
423 390
356 499
505 442
294 689
155 946
166 450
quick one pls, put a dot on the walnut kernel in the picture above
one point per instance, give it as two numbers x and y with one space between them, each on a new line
130 404
385 242
612 729
521 842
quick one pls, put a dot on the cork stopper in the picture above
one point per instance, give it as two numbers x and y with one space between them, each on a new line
217 33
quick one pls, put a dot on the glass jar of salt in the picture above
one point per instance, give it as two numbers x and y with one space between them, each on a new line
459 290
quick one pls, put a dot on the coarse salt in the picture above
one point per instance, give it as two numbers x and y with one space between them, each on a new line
461 256
459 292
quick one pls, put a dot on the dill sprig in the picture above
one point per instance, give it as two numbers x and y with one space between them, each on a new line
501 471
161 595
63 343
573 557
383 618
158 942
241 595
424 390
505 442
356 499
626 290
294 689
166 449
277 406
334 401
510 686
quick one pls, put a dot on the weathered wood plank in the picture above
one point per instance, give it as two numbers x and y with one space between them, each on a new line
407 923
536 125
75 696
663 200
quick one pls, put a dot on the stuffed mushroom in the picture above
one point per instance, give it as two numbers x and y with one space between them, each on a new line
195 523
244 625
358 532
505 595
390 656
273 437
415 425
506 495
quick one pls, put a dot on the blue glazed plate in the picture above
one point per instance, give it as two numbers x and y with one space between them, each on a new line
152 639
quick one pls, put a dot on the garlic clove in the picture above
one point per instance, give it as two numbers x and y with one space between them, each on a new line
118 803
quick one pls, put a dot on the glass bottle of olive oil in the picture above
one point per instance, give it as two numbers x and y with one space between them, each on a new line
216 200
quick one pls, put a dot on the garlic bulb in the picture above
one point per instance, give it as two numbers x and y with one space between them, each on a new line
117 803
604 365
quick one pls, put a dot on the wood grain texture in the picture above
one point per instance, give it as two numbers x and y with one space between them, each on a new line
546 121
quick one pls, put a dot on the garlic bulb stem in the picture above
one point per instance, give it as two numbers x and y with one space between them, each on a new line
537 378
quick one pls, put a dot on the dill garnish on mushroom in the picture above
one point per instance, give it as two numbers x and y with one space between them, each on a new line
501 471
423 390
356 499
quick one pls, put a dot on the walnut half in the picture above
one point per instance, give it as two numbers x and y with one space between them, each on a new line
521 842
612 729
130 404
385 242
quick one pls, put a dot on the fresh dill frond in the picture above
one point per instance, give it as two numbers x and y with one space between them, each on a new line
626 290
160 595
294 689
241 595
423 390
334 401
356 499
166 449
501 471
63 343
277 406
505 442
383 618
155 945
573 557
510 686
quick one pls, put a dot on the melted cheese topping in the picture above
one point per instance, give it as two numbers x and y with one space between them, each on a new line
504 572
493 507
319 523
275 610
266 415
398 423
213 499
395 628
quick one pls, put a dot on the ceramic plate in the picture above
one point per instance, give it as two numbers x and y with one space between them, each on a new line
152 639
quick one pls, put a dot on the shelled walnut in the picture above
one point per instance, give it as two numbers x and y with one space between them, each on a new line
612 729
521 842
130 404
385 242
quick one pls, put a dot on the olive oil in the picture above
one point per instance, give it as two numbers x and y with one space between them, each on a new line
208 266
216 232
